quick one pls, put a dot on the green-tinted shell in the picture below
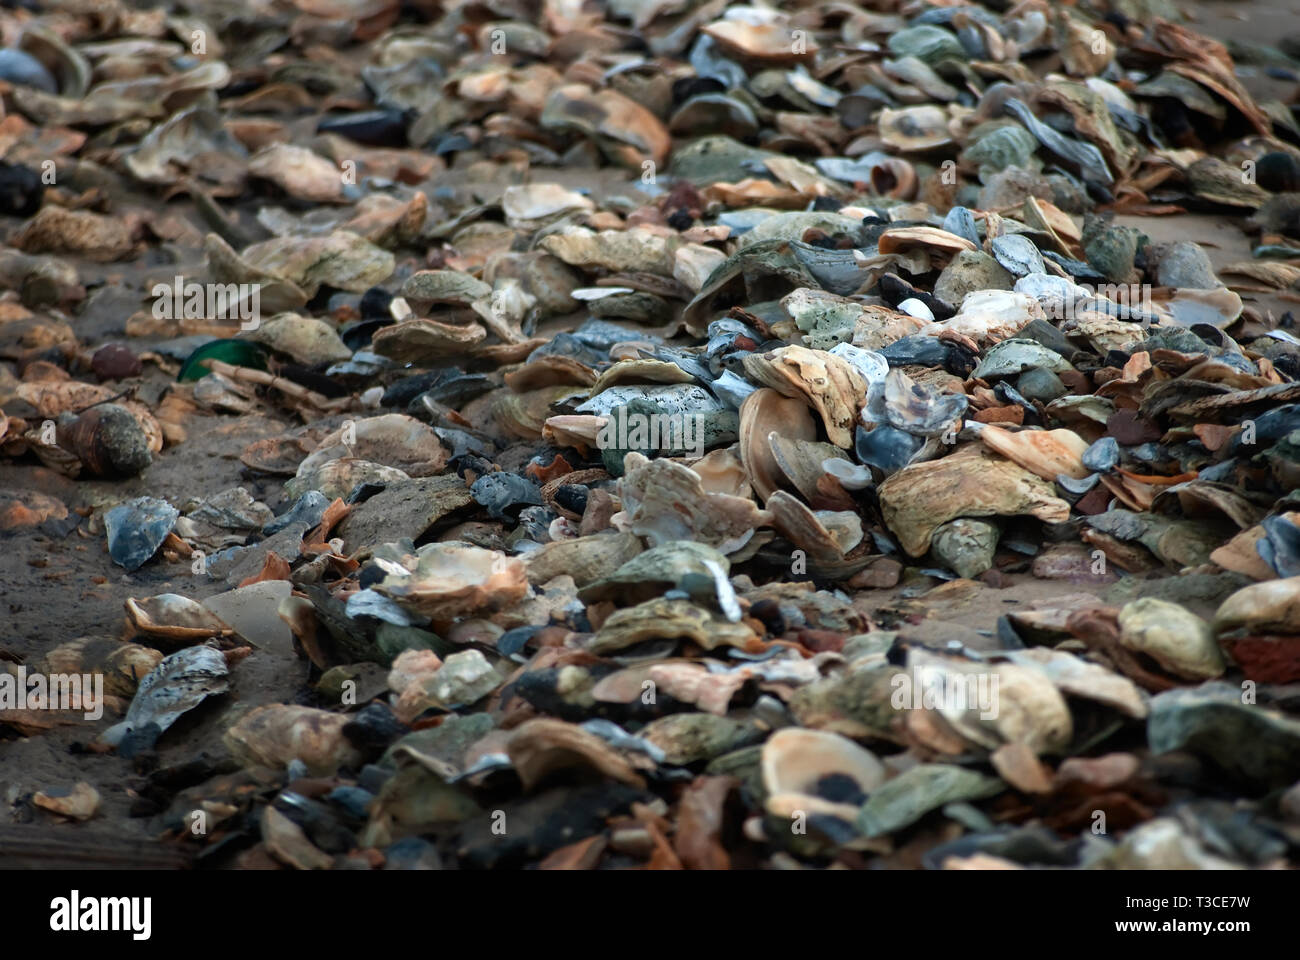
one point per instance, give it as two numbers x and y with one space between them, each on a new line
1008 145
926 42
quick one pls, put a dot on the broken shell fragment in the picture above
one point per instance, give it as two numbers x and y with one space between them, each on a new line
1010 703
665 501
1017 254
1250 742
80 802
539 747
800 461
461 680
629 132
122 665
393 439
909 796
137 529
918 409
915 129
887 448
585 559
78 232
305 339
300 173
723 471
670 565
826 535
178 684
1013 357
428 288
687 738
339 477
1047 453
990 315
901 239
771 41
526 205
966 545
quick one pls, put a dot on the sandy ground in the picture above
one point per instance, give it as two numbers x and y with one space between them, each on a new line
53 590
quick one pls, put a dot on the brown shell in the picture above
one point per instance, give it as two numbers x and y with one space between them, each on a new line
109 440
806 530
420 340
1047 453
543 745
123 665
277 455
899 239
586 559
170 617
832 386
763 413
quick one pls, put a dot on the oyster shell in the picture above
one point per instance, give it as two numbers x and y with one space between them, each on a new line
445 580
831 386
278 733
825 535
585 559
1273 605
670 619
393 439
915 129
801 766
765 412
542 745
967 483
137 529
1047 453
665 501
1177 639
177 620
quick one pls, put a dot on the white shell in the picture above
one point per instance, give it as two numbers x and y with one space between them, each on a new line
852 476
916 308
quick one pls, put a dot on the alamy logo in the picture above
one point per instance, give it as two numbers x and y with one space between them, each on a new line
931 689
666 432
209 301
56 691
74 913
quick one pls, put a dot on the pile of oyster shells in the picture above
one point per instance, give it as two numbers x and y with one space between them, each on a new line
713 435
